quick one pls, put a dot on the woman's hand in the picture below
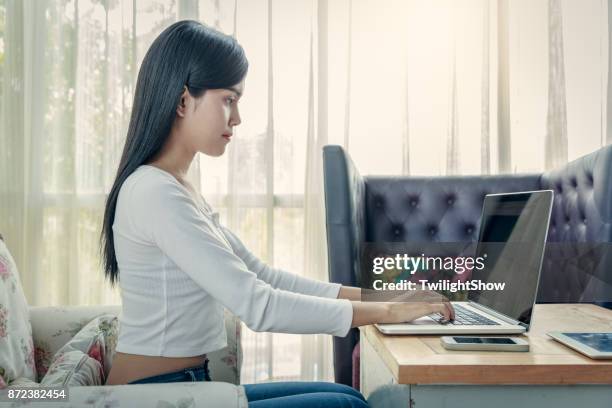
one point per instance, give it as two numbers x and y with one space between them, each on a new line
399 312
396 306
409 311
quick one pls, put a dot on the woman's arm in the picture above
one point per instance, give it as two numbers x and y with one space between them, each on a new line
350 293
279 278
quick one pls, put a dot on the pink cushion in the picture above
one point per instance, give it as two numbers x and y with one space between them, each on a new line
86 358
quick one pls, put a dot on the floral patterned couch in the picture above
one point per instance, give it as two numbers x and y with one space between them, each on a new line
73 346
53 327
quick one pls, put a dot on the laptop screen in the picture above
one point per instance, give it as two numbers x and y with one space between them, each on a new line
511 240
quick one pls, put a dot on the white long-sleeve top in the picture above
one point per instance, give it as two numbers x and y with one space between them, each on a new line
179 267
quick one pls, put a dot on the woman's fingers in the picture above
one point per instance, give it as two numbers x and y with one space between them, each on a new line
451 309
445 309
408 311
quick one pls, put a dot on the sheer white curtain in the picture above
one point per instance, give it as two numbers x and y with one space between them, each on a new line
422 87
403 114
556 124
68 73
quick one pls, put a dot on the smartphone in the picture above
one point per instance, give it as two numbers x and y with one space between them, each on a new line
484 343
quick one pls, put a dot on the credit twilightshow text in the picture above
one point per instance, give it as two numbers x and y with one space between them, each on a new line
445 285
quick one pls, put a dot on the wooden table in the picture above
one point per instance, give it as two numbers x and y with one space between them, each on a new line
550 374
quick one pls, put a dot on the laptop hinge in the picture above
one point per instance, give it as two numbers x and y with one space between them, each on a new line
494 313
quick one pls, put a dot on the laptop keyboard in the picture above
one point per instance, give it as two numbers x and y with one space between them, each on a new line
465 317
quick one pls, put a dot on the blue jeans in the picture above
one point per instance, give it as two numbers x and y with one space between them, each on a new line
295 394
303 394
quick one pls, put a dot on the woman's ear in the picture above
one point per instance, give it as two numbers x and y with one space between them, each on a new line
181 109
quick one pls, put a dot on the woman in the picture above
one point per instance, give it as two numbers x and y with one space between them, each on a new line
179 266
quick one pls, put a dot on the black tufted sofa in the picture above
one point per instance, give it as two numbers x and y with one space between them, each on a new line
447 209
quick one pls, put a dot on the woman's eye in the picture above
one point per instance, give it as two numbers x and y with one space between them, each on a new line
230 100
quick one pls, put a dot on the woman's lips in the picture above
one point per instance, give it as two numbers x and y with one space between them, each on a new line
228 137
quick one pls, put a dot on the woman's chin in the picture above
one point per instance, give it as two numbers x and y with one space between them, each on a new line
214 152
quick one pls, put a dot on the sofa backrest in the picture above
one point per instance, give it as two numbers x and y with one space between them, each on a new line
448 209
578 265
432 209
582 209
344 203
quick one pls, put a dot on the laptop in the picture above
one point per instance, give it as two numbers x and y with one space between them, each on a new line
512 237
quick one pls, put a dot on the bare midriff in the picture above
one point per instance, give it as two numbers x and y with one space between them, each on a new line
131 367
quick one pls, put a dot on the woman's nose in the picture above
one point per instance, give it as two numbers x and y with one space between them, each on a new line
235 118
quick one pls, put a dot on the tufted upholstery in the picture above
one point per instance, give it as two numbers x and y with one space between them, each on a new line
582 213
439 209
448 209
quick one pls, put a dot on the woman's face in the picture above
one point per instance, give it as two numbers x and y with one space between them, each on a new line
207 122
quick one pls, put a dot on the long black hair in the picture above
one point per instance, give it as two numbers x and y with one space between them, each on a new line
186 54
